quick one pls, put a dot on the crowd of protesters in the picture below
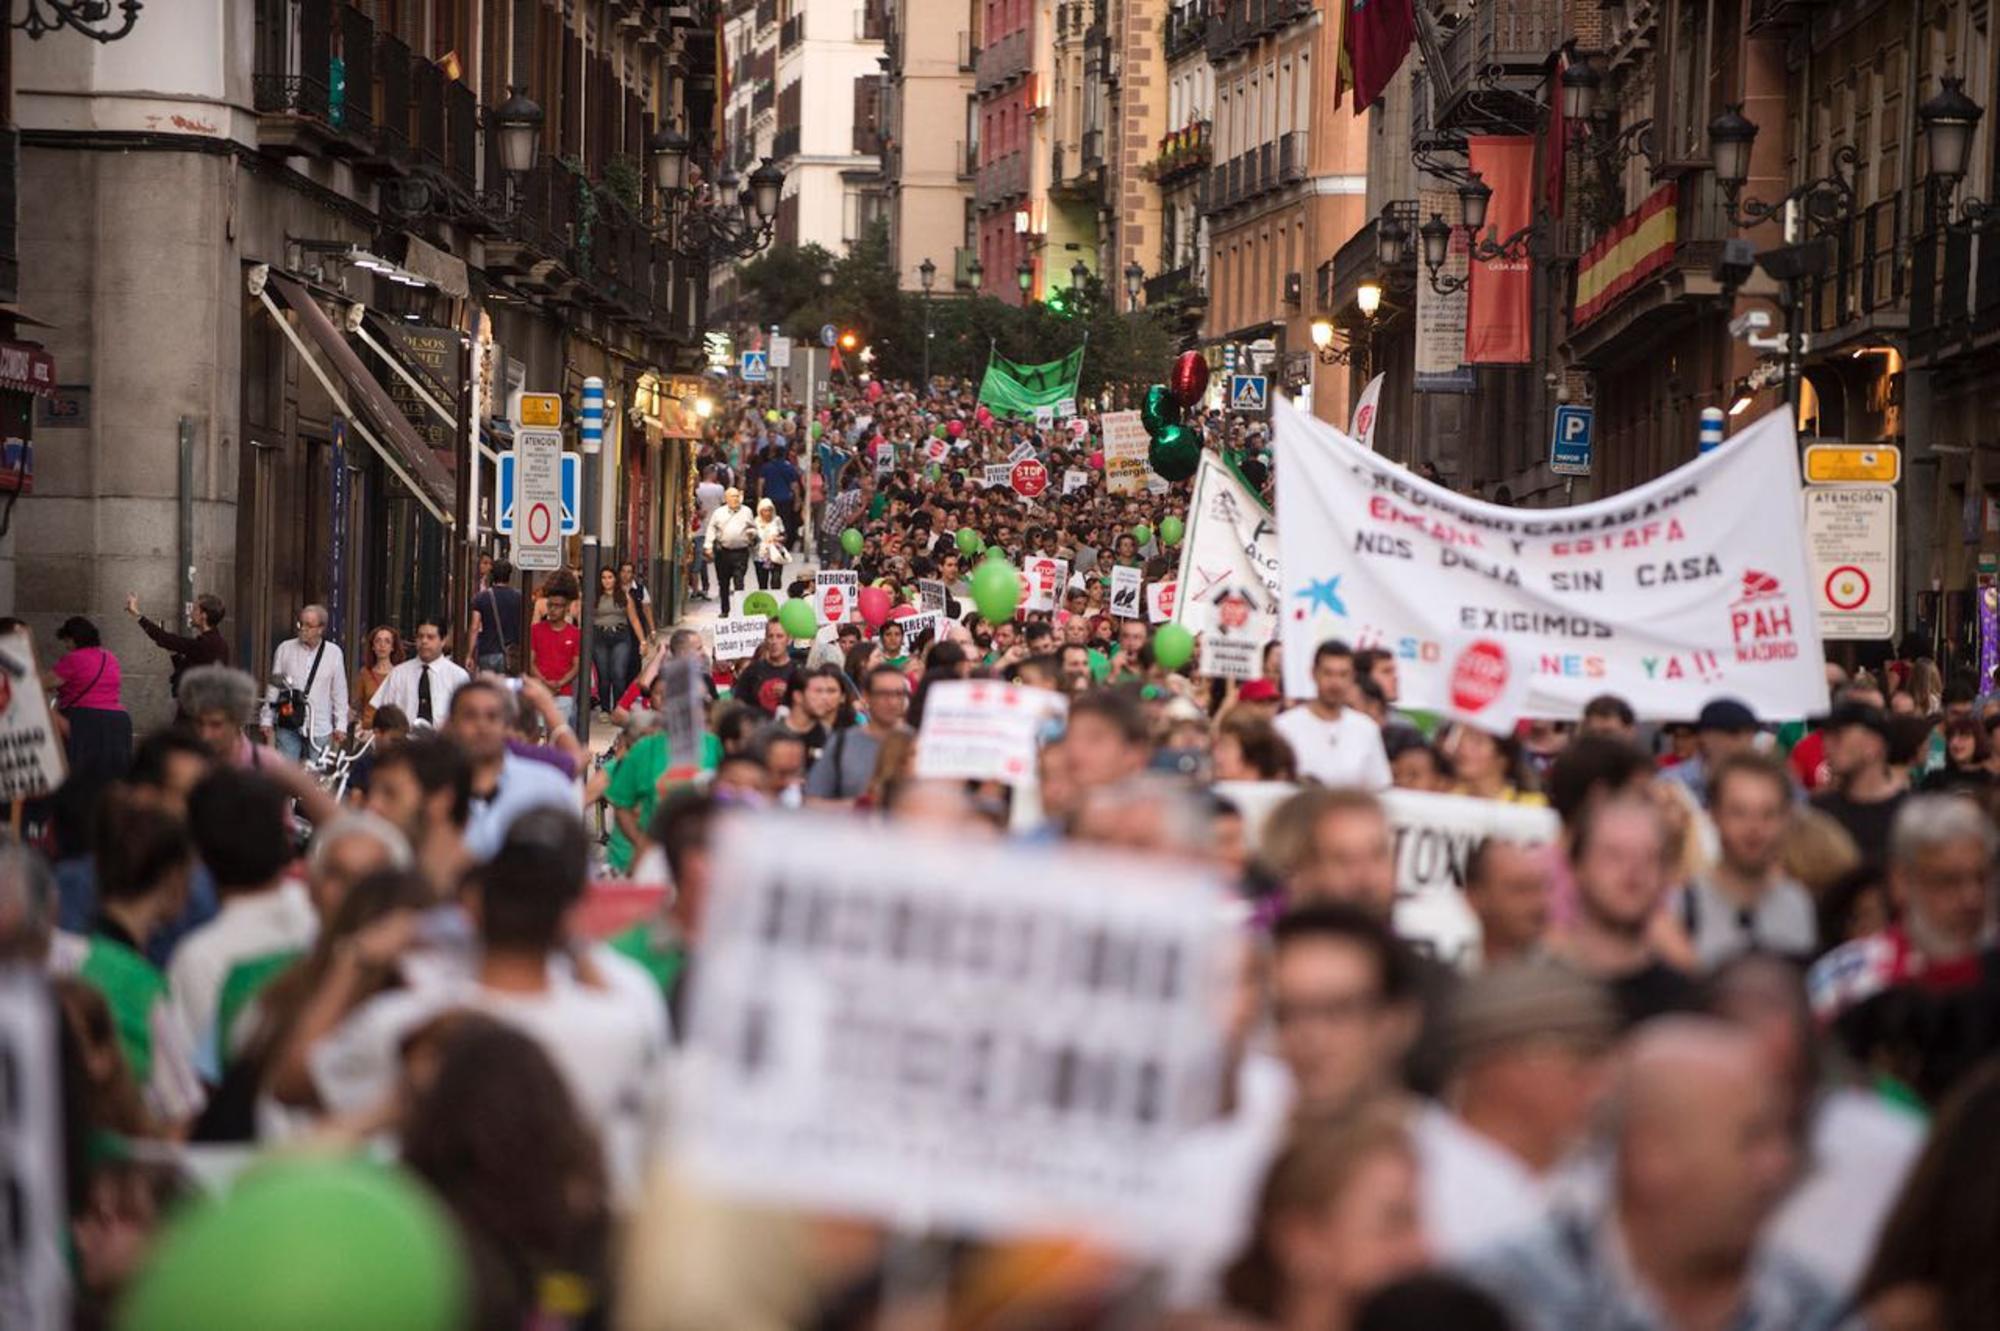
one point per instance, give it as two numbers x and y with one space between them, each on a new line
1720 1058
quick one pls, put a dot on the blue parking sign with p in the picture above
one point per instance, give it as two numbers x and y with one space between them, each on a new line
1569 441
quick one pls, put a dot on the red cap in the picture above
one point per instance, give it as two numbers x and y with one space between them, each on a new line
1257 690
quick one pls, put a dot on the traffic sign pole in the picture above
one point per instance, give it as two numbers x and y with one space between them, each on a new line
590 434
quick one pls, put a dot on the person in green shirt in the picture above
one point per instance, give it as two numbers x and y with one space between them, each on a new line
637 783
680 827
892 646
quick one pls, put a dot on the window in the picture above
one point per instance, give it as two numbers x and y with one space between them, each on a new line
1681 94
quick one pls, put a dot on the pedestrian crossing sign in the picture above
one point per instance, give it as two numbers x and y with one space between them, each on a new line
755 367
1249 394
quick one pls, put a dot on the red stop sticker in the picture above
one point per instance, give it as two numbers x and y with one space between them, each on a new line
834 602
1479 676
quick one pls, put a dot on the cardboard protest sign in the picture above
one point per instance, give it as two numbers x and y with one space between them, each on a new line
1045 417
738 638
31 753
996 475
920 631
1126 587
1043 578
1231 546
1013 1042
1160 599
937 450
35 1271
1232 644
1066 407
1690 586
1126 444
834 594
984 730
1434 836
1074 480
931 593
684 718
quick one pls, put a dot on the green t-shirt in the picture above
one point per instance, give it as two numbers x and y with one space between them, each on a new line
240 988
132 987
635 782
1100 666
661 957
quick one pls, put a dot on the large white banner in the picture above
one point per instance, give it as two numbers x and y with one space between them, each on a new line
1229 585
1014 1041
1691 587
1435 837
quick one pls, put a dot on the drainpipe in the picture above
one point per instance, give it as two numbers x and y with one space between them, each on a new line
185 538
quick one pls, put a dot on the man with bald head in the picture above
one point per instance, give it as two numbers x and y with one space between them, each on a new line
1699 1156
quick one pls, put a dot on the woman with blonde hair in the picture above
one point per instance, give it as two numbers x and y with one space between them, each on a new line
771 553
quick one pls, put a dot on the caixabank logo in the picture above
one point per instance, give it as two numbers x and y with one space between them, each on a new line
1760 621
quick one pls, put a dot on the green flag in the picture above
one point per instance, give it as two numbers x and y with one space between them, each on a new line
1016 390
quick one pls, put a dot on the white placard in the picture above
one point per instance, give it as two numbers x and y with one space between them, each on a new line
1229 556
1008 1043
538 500
997 475
984 730
1692 586
31 754
684 718
1045 417
781 353
916 626
1227 654
34 1275
932 594
739 638
835 592
1851 535
1125 447
1042 578
1024 449
1066 407
1127 588
1435 835
937 450
1160 598
1074 479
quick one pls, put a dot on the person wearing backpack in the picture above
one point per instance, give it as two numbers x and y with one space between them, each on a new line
305 704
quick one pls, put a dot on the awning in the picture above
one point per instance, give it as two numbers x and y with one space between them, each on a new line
391 436
27 368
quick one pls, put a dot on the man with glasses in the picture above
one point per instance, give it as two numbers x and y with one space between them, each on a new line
305 704
1342 1005
844 769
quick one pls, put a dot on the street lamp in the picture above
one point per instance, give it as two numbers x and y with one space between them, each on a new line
1947 120
520 122
926 277
1079 273
669 150
1580 84
47 16
1135 279
1024 276
1473 197
1392 240
767 182
1368 298
714 224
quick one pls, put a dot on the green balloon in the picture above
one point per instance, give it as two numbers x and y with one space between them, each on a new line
818 429
1171 529
1160 410
969 541
850 541
799 618
938 432
760 603
1142 534
996 590
1175 453
309 1245
1173 646
994 552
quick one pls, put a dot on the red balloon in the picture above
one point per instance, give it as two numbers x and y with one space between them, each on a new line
955 429
1189 379
1097 461
873 603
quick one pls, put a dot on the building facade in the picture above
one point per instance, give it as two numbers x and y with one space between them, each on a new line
928 172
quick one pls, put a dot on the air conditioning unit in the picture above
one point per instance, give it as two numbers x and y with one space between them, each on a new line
1295 288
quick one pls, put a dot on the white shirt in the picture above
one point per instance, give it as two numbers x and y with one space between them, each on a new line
730 528
247 927
326 700
707 498
1475 1193
524 784
610 1052
400 688
1860 1148
1346 751
1227 1159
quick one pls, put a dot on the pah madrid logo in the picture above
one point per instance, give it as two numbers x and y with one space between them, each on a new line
1760 621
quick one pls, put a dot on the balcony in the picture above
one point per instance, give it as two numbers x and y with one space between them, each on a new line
767 13
393 65
765 98
793 32
1184 153
968 54
314 83
870 24
461 135
1093 149
785 143
1170 286
1499 46
967 157
427 93
1294 154
1187 25
962 259
1626 292
1007 58
1001 181
1865 278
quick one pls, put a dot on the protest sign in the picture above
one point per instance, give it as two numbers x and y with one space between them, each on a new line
1008 1043
738 638
937 450
684 718
1074 480
996 475
920 631
1160 598
834 594
1066 407
1688 587
1125 446
1126 586
34 1271
1043 578
1157 484
1435 834
31 754
984 730
1078 428
1024 449
1229 564
931 593
1045 418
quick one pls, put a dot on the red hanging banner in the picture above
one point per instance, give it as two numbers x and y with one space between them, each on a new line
1501 291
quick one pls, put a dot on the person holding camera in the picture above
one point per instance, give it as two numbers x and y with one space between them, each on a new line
305 706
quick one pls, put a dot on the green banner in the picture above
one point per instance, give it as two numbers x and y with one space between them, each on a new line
1017 390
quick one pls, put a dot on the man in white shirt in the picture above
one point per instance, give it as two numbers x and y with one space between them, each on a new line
422 686
1526 1044
504 785
728 538
240 827
315 667
1335 745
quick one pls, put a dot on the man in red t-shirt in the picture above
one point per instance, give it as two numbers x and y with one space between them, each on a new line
554 647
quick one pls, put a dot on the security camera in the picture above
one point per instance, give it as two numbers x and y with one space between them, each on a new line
1735 264
1750 321
1551 378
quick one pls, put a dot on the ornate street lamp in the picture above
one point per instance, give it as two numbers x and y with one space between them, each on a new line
669 151
1947 120
1827 202
1024 275
46 16
1135 280
1580 84
519 124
